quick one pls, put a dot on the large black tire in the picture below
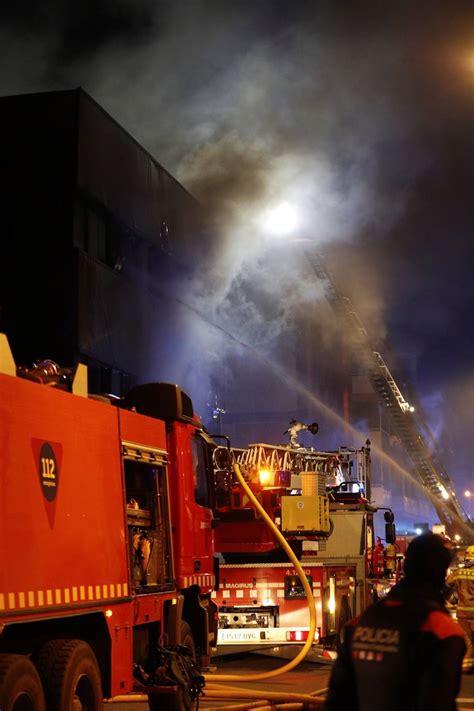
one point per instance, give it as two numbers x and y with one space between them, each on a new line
20 685
70 675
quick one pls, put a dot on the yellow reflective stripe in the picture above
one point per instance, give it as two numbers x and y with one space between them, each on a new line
462 574
201 580
24 600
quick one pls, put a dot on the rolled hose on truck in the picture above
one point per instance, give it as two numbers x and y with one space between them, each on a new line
215 691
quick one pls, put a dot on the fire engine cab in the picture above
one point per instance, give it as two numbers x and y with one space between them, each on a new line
106 539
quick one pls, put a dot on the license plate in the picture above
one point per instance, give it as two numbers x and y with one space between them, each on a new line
239 636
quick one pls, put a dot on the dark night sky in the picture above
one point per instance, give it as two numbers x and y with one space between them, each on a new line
360 112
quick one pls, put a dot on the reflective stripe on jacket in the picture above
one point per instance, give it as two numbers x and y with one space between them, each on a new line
463 580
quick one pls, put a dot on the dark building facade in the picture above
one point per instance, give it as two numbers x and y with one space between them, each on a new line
93 232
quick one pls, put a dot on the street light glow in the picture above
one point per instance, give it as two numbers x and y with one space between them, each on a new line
281 220
467 494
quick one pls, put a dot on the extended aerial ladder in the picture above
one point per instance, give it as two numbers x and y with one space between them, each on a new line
408 422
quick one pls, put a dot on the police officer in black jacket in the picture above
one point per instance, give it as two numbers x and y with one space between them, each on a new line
405 652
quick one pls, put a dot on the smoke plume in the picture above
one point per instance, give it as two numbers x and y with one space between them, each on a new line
360 115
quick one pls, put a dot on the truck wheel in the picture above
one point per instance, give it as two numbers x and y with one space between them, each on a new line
70 675
20 685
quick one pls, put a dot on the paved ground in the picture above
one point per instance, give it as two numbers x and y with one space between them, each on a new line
305 678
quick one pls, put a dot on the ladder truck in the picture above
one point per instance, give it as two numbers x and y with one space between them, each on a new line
408 422
318 501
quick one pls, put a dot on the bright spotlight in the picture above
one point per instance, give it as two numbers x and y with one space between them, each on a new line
265 476
281 220
418 531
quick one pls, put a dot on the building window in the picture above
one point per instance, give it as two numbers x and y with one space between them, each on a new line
96 235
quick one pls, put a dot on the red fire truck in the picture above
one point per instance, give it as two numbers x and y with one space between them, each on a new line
106 539
319 501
